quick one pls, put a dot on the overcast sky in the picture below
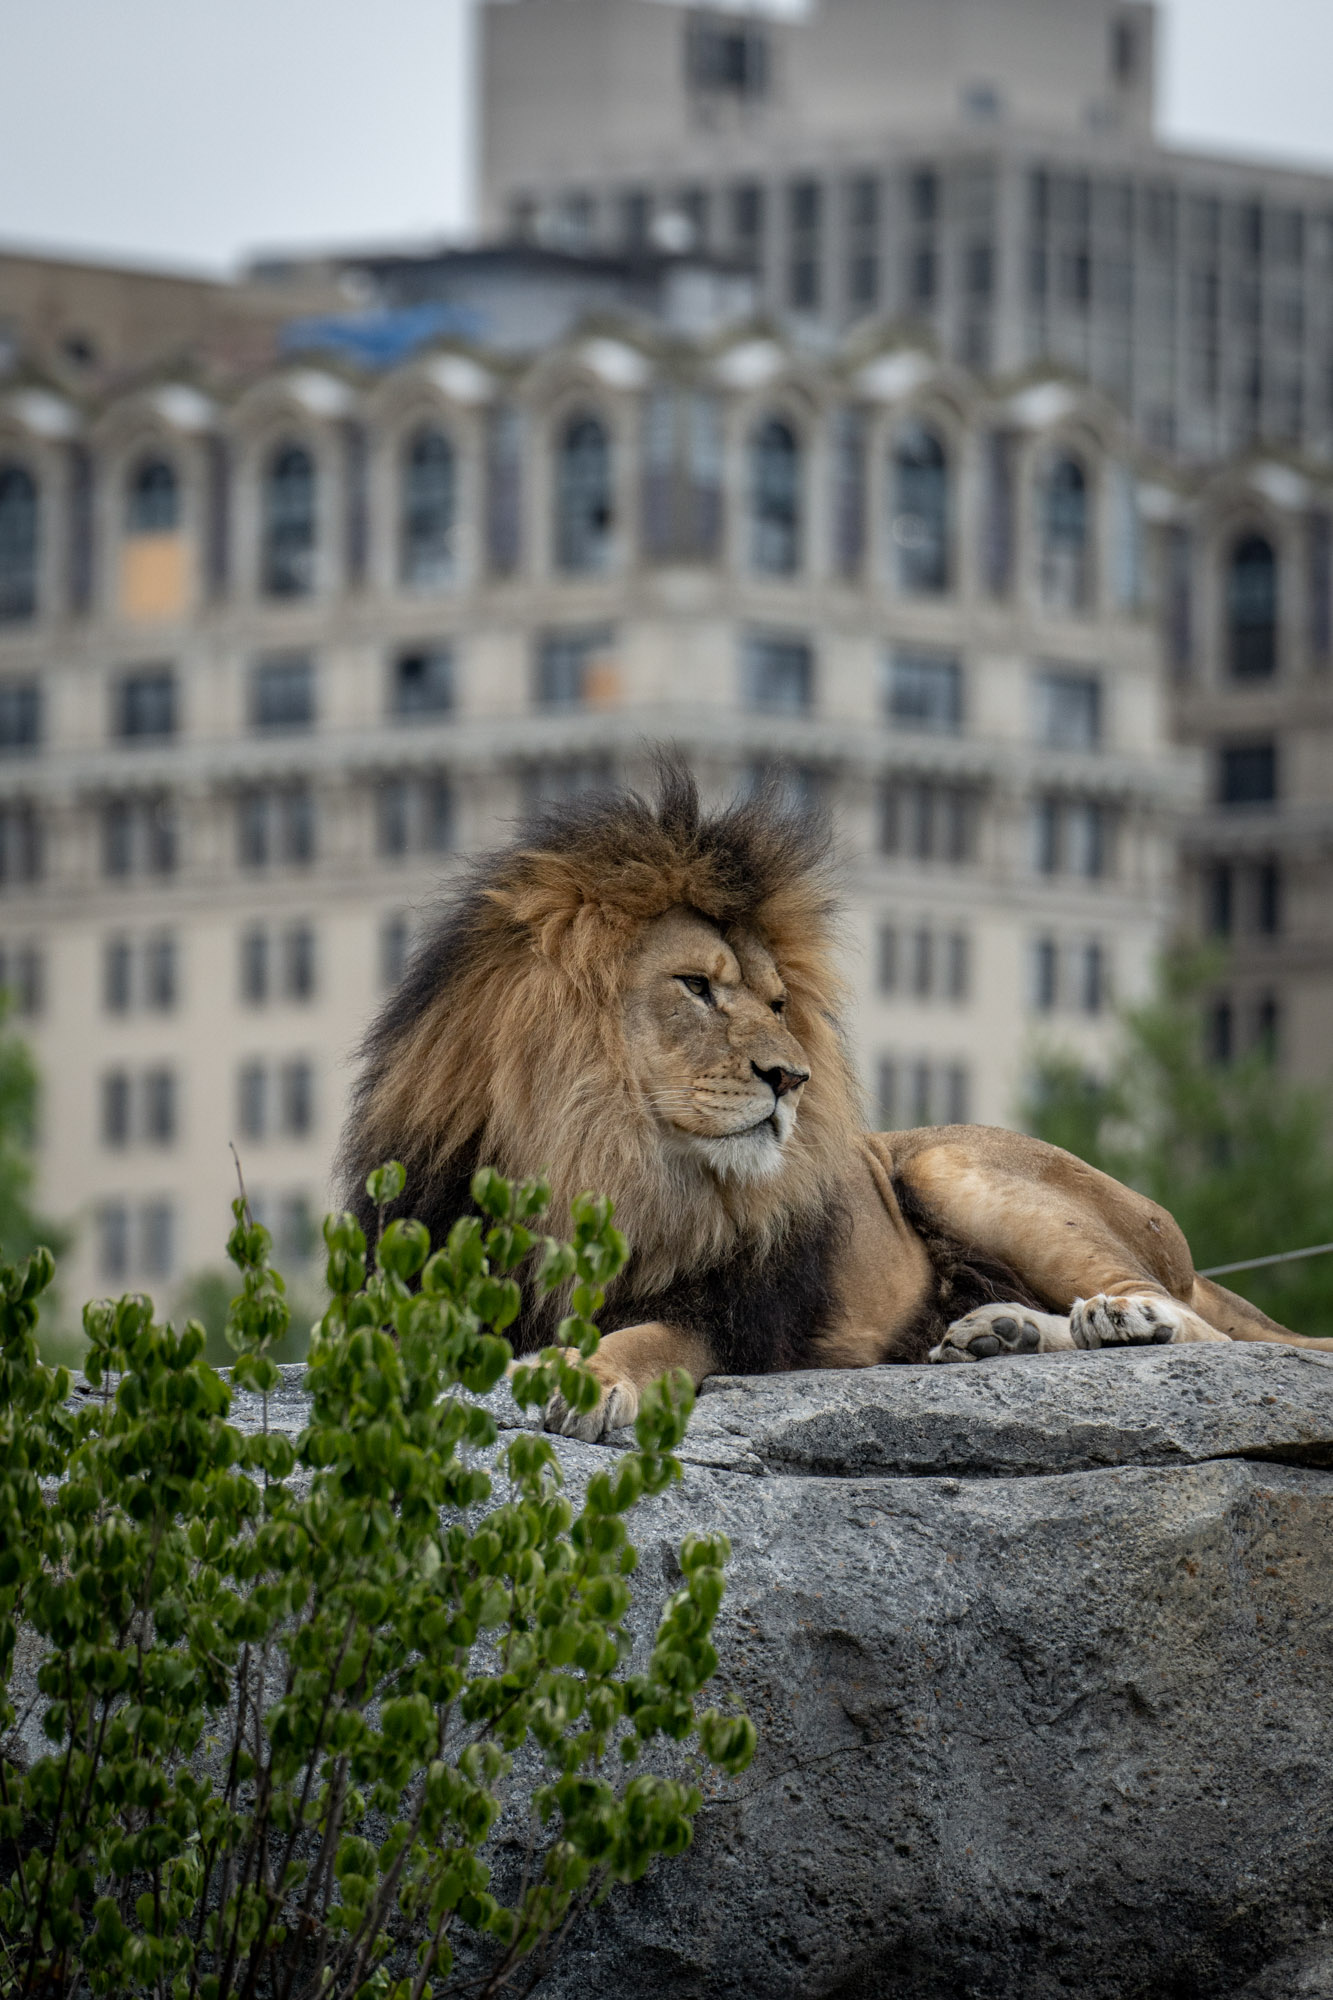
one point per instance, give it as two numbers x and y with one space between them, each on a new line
189 131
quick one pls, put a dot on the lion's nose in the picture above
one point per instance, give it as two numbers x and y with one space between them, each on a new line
780 1080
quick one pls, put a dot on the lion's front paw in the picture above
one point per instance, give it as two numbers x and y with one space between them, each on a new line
1139 1319
617 1406
1002 1329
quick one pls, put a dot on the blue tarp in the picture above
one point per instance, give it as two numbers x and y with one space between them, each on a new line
380 339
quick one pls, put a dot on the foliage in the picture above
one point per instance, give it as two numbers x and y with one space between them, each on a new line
1239 1157
206 1296
290 1685
20 1230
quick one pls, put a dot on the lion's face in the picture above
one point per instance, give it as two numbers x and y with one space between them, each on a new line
710 1051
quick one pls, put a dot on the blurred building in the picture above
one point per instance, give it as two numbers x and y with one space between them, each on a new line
275 655
984 169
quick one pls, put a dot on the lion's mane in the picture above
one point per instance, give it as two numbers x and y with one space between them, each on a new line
504 1046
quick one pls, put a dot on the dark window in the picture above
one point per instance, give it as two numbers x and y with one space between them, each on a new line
574 668
957 965
296 1099
423 682
1252 609
1124 52
1064 536
157 1231
925 691
393 812
275 824
1068 710
553 780
1221 1031
414 815
138 835
1087 838
727 57
886 959
159 1107
1047 836
919 510
145 705
504 490
923 963
282 693
288 565
1220 898
1093 982
920 1080
804 201
1248 774
113 1241
428 508
1268 898
775 499
779 674
1045 973
636 214
20 717
1267 1026
979 270
116 1109
925 819
117 974
161 984
957 1093
584 512
923 195
298 952
18 543
254 965
921 275
747 222
252 1100
154 499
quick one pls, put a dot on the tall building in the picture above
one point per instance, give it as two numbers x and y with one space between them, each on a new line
986 170
275 654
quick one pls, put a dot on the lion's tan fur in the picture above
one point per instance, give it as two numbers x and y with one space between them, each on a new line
522 1050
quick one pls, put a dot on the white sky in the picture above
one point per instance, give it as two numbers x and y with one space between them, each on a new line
189 131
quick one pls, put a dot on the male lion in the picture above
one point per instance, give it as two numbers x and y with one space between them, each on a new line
642 1000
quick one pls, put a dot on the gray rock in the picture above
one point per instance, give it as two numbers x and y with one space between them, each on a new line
1041 1656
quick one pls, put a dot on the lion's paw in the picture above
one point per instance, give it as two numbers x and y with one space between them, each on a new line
1139 1319
618 1407
1002 1329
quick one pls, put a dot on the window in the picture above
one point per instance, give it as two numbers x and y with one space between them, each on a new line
1221 1032
414 815
928 819
138 835
296 1235
863 242
553 780
923 962
1268 899
727 58
116 1108
157 1231
428 509
574 669
504 490
957 965
1045 974
682 476
1220 898
886 959
298 962
252 1100
423 682
20 717
282 693
275 824
287 568
919 511
145 705
113 1241
775 499
1093 984
20 845
1252 609
18 543
925 692
159 1107
296 1099
161 984
584 511
254 965
1063 528
1247 774
778 674
1071 836
22 976
395 946
886 1093
153 499
804 207
1068 710
1124 52
747 223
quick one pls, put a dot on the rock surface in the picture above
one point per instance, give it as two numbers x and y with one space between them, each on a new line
1041 1655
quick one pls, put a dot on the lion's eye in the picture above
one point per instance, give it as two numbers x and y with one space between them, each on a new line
699 987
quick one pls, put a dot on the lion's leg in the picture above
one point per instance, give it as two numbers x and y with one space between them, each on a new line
1239 1320
625 1363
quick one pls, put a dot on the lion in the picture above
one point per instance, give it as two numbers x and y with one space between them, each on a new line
643 1000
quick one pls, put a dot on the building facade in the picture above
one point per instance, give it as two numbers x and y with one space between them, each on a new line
983 169
275 660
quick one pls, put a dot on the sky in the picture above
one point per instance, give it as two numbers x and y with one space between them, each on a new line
188 132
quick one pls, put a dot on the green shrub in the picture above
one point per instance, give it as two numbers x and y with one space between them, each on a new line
286 1683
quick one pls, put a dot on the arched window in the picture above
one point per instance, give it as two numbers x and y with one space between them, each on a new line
1252 609
584 512
289 523
775 499
920 510
1063 528
18 542
154 499
428 508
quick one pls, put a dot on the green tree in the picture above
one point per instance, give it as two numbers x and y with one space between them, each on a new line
1239 1156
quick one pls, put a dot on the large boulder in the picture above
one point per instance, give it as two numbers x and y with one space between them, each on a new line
1041 1656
